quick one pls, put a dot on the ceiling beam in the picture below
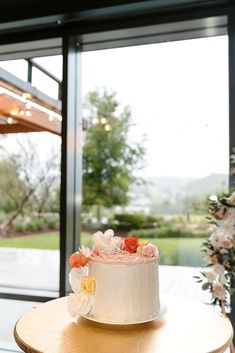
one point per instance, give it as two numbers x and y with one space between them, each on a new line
16 128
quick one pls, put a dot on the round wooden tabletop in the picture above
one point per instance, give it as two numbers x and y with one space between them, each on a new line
187 326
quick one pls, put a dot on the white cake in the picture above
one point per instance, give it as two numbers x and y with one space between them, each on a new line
116 282
125 292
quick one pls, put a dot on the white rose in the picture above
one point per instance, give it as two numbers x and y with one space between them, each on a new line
216 239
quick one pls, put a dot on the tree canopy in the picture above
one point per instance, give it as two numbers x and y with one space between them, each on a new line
110 160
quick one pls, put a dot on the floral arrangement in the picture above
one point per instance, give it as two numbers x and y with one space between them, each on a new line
83 285
218 250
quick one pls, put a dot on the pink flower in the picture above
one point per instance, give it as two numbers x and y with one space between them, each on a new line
218 291
95 251
219 269
150 250
227 244
214 259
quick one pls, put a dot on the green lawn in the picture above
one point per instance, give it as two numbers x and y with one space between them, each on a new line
173 251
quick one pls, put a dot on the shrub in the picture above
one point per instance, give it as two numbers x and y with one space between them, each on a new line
52 223
168 232
19 228
128 221
31 226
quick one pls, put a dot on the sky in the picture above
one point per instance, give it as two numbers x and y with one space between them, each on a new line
178 96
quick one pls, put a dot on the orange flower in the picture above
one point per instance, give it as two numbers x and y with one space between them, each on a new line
78 259
130 244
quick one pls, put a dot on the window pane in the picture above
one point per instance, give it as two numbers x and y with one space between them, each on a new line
18 68
30 191
176 94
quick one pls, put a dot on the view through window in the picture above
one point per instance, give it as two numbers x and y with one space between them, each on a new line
156 146
30 145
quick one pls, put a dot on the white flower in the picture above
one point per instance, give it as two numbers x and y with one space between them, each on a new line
218 291
216 239
85 251
210 275
226 227
219 269
223 279
75 277
80 303
207 259
106 242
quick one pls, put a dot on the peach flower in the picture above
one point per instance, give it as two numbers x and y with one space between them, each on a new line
150 250
218 291
227 243
130 244
78 259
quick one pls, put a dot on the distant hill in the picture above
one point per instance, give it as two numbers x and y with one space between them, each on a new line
168 194
213 183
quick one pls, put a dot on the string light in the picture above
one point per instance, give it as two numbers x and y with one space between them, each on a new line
28 113
28 105
10 120
21 112
50 117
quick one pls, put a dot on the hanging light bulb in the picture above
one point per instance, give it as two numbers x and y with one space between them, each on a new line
21 112
28 113
10 120
28 105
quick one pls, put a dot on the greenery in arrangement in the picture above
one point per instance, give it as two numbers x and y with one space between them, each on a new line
219 251
109 159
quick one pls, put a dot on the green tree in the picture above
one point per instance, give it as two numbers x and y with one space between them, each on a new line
110 160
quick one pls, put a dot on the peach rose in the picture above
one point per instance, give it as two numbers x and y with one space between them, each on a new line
214 259
150 250
130 244
78 259
227 244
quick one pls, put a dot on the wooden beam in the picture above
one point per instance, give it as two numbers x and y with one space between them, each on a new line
38 120
15 128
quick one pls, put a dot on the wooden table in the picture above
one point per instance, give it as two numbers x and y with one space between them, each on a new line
187 327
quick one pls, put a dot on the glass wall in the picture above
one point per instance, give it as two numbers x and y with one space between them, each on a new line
30 158
155 117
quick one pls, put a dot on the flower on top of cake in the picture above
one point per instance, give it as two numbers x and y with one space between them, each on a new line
109 246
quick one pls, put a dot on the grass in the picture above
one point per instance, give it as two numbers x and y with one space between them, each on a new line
37 241
173 251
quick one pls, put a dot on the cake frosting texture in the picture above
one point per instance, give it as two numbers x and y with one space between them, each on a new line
115 282
125 292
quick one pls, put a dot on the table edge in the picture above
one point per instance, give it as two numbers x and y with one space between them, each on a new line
22 345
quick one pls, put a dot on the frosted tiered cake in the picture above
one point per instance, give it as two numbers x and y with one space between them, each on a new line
115 282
